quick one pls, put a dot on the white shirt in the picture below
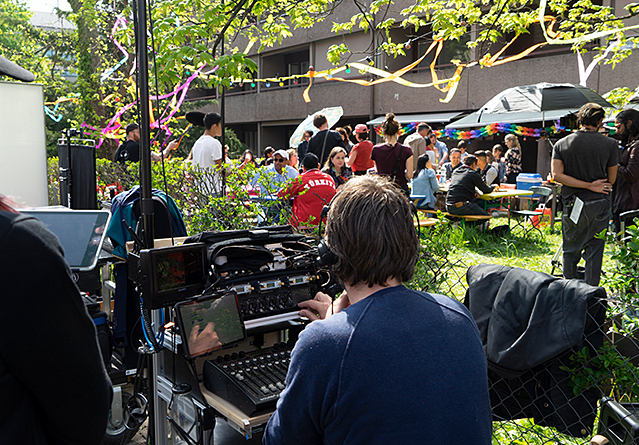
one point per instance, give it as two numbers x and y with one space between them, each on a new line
206 151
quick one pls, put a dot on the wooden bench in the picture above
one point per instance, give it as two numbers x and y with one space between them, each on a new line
463 218
427 222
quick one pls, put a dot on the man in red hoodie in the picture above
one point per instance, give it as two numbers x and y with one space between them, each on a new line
310 192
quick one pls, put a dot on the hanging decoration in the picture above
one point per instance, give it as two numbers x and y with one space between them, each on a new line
488 130
110 131
121 21
53 113
402 131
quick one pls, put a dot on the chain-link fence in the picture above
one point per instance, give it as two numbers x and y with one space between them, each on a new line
563 357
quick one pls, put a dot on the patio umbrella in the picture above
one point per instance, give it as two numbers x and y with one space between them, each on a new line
332 115
543 97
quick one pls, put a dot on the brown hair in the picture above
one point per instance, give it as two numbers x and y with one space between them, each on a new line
390 126
370 231
334 151
319 120
469 160
590 114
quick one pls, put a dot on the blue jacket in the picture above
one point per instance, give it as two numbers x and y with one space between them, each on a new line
122 208
424 186
397 367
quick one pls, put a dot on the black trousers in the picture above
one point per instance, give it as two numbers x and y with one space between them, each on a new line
579 239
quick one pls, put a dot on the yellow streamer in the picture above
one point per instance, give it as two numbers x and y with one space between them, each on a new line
592 36
307 98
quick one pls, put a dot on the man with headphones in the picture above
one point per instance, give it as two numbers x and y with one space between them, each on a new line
383 363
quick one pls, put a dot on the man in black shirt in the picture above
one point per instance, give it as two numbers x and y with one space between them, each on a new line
325 140
129 150
585 162
461 192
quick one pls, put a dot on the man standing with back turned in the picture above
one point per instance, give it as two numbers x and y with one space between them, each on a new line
324 140
385 364
585 162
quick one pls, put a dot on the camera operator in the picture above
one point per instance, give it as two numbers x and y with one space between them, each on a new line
383 364
54 387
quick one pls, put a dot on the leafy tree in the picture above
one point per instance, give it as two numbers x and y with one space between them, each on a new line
49 55
190 33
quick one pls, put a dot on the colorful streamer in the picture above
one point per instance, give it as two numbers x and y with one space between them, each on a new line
105 75
488 130
53 114
114 123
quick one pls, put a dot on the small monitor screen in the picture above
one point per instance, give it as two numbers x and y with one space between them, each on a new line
81 233
178 269
172 274
210 323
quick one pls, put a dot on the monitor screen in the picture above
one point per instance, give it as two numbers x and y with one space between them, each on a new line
210 323
178 269
81 233
172 274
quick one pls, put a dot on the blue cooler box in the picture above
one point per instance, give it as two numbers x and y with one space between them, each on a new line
527 180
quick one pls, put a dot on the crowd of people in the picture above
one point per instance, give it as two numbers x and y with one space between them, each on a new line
341 154
325 160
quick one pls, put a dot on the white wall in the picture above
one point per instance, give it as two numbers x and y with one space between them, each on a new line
23 153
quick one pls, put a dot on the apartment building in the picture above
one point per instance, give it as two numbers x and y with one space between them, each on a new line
267 114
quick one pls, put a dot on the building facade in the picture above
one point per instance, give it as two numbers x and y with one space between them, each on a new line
264 115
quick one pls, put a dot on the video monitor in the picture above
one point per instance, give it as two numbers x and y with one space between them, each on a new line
81 233
210 323
172 274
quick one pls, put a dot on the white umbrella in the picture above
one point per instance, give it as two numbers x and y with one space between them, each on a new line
332 116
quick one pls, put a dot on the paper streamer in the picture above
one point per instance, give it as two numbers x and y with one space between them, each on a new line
488 130
105 75
53 114
114 123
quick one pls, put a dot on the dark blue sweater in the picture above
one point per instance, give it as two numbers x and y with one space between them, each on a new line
398 367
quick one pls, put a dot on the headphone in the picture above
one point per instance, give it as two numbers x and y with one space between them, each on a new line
326 257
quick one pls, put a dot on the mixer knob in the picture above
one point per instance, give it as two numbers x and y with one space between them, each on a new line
227 358
219 360
242 354
234 356
280 385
